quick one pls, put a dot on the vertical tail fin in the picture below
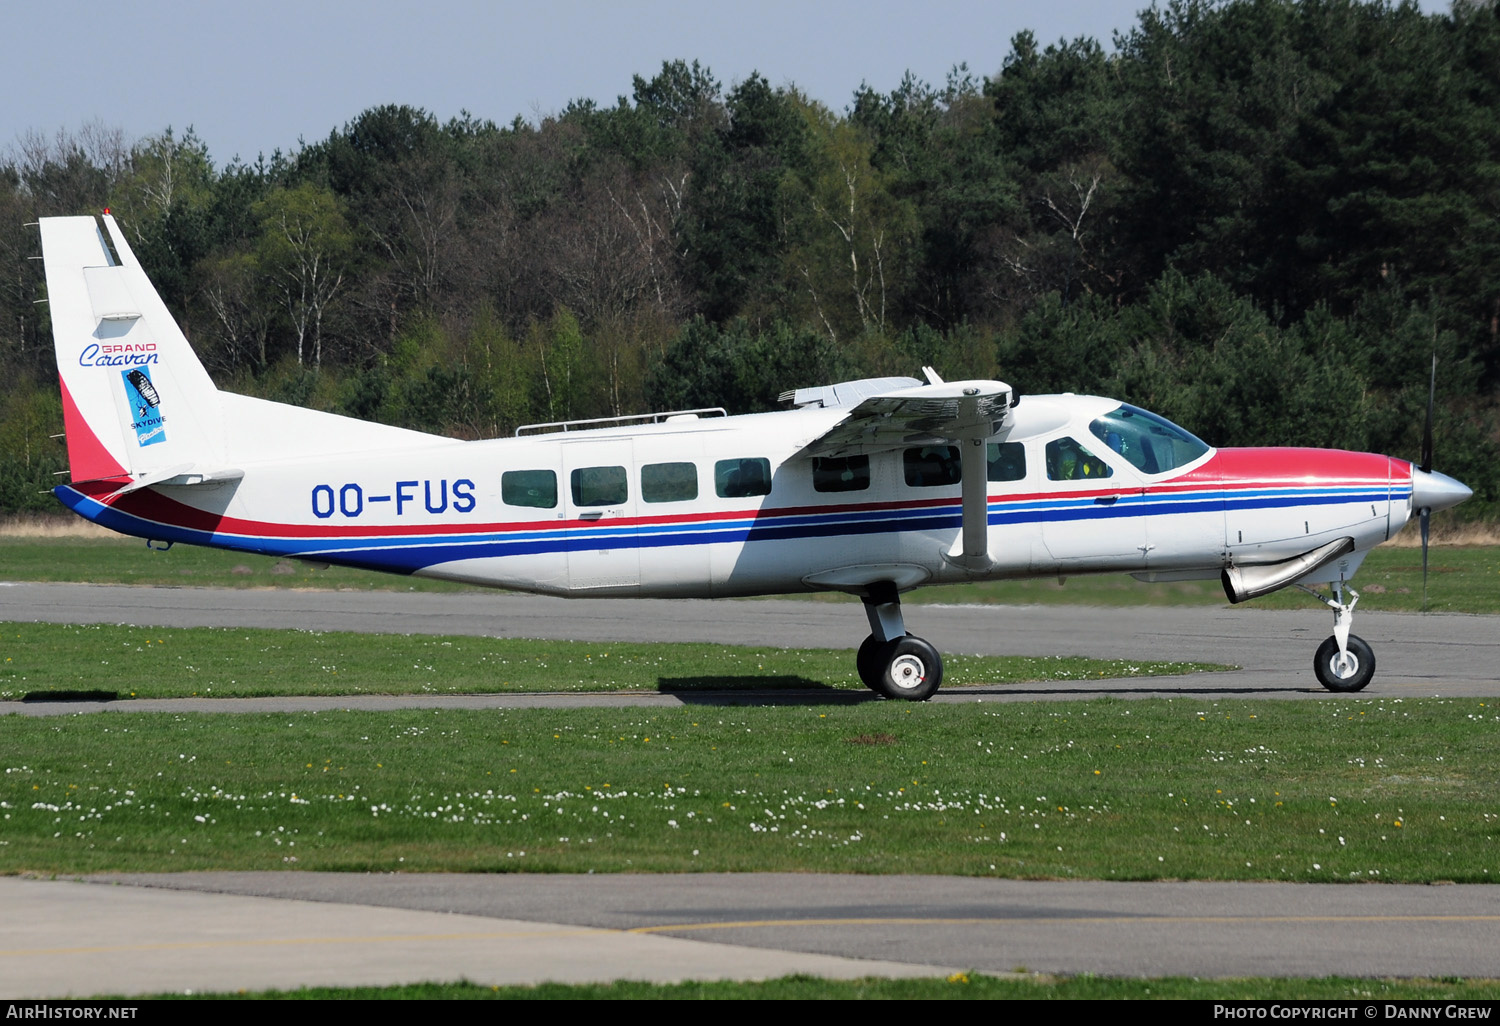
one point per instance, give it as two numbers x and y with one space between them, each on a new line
136 400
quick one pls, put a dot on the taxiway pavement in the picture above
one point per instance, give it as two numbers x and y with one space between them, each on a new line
145 933
1417 654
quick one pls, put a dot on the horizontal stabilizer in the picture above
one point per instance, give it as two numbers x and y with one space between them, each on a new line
185 474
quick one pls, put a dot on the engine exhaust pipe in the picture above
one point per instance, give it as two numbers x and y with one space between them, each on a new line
1247 582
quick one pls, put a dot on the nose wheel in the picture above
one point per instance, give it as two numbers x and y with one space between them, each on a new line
1345 662
1349 670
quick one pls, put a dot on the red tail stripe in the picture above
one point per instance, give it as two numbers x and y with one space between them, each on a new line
88 460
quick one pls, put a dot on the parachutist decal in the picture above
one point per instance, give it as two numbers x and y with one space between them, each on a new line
145 403
142 382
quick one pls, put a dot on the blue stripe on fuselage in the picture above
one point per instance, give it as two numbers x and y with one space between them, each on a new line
408 553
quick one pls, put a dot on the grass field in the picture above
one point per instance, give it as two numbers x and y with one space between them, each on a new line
124 662
114 559
1338 790
958 987
1462 579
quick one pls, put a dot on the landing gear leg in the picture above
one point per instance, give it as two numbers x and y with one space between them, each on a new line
890 661
1344 661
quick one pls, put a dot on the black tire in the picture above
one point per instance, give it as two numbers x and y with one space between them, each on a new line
911 669
868 665
1356 676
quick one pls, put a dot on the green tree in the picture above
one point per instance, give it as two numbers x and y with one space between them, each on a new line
732 217
940 153
30 455
562 359
1058 114
304 248
848 236
743 369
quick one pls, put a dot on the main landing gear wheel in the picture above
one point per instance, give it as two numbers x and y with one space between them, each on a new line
902 667
868 665
910 669
1338 672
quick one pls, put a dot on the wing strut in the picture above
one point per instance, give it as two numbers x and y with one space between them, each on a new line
972 550
976 532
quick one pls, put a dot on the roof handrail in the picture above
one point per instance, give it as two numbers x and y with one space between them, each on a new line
597 423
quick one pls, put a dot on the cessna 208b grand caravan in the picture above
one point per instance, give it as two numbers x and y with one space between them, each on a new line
868 487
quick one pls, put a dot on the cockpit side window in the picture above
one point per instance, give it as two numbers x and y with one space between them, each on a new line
1152 444
1068 460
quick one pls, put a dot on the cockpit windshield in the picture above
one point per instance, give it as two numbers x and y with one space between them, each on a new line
1152 444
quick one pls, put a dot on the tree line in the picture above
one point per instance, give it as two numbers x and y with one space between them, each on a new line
1256 217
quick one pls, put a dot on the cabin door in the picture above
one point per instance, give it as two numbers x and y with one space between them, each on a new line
599 499
1091 513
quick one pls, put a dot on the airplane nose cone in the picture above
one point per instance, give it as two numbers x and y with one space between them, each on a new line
1436 491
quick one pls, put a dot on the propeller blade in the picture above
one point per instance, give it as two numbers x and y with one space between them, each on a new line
1425 513
1426 518
1427 428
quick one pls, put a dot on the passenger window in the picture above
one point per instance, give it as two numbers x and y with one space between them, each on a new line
931 466
599 486
529 488
1068 460
669 482
1007 461
841 473
738 479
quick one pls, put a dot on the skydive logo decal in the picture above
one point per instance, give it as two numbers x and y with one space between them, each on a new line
145 407
118 354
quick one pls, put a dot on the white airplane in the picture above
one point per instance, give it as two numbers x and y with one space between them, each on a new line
869 487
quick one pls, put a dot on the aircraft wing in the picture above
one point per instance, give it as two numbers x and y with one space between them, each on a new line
958 413
946 413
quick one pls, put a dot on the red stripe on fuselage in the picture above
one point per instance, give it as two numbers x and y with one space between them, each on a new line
151 505
1287 467
1228 469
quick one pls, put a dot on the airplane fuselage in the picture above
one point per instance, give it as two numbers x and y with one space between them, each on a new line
661 510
